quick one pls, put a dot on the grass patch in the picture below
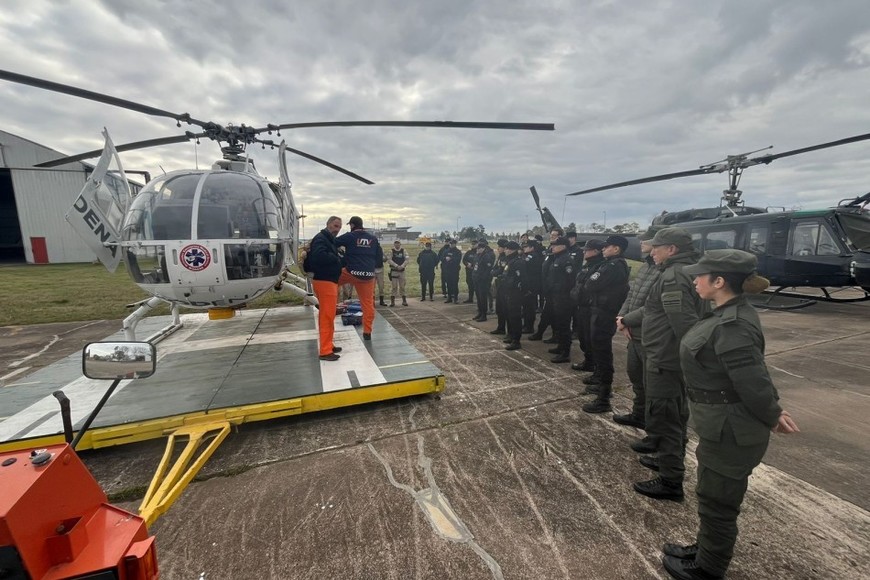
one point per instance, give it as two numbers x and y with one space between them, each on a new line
43 293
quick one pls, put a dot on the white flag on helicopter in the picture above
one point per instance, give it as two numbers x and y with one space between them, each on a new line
98 213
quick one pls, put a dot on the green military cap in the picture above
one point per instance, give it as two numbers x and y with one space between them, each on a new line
672 237
723 262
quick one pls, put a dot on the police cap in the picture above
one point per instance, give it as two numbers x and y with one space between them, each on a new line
502 243
481 244
570 235
512 245
723 262
620 241
672 237
594 244
560 241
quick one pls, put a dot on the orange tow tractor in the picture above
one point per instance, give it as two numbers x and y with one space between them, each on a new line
55 520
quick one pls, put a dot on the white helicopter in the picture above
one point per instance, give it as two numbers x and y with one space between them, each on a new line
205 239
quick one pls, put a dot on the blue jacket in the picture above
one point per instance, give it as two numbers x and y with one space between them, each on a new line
360 253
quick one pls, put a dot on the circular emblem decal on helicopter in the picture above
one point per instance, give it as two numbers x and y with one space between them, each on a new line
195 257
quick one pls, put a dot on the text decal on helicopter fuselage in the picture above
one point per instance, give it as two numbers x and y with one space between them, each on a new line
95 224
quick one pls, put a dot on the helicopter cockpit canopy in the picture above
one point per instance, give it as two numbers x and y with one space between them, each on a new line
209 205
220 213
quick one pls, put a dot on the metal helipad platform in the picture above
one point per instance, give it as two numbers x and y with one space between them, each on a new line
261 364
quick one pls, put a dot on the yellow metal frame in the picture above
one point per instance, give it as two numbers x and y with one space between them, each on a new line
166 487
99 437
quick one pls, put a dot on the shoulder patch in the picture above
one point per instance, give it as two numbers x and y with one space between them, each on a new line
568 269
672 300
595 276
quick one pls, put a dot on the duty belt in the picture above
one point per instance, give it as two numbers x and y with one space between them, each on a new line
722 397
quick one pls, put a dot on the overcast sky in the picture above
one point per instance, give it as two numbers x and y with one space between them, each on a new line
635 88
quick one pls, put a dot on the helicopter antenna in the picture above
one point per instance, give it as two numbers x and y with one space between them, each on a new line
161 169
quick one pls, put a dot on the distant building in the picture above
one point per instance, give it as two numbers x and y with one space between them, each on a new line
33 202
392 233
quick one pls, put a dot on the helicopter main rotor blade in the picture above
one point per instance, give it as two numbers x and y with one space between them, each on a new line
328 164
121 148
765 159
439 124
94 96
664 177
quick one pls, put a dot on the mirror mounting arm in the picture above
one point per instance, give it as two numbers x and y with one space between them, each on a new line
94 413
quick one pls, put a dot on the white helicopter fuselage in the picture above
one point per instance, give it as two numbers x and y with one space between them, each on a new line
197 238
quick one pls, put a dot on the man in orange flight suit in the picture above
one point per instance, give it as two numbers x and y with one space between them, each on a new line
324 263
360 252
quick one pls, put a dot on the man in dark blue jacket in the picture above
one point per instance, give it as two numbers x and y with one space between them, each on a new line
360 256
324 263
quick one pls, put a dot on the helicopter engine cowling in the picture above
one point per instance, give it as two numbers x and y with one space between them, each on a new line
205 239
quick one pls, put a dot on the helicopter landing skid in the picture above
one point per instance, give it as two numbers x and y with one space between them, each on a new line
804 299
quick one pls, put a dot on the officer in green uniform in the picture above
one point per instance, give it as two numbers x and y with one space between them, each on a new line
733 403
671 309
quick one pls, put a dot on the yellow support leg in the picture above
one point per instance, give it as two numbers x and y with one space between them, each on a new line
166 487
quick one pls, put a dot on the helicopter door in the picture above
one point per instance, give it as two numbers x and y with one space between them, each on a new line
288 207
814 255
99 210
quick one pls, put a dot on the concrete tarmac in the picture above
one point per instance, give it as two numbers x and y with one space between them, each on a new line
503 476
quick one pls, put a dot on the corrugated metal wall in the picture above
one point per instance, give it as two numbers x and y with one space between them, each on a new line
43 198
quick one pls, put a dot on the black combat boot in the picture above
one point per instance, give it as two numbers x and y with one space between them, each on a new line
528 330
680 551
382 301
659 488
514 345
551 340
630 420
449 300
404 301
423 299
591 380
586 366
555 350
499 330
592 389
650 462
562 356
601 404
536 336
645 445
392 300
683 569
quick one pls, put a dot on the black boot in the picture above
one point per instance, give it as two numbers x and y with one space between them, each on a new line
555 350
630 420
659 488
392 300
601 404
645 445
592 389
404 301
592 380
423 299
650 462
536 336
382 302
499 330
514 345
586 366
680 551
684 569
561 357
551 340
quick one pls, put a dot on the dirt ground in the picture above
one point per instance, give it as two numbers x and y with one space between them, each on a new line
502 476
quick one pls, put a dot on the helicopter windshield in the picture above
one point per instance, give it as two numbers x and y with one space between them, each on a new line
203 205
857 228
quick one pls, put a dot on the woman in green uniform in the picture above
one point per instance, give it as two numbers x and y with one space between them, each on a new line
734 407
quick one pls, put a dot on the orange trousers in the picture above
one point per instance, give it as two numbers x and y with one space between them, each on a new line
365 289
327 298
